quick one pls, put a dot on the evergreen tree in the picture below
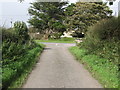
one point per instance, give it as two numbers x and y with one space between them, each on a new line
48 17
85 14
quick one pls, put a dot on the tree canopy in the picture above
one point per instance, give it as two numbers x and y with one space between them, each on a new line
47 16
85 14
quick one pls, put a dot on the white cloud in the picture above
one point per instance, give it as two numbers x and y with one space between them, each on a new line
15 1
8 0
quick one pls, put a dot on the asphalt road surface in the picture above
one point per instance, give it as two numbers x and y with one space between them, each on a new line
57 68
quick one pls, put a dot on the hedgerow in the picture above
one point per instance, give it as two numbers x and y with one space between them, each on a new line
18 53
103 40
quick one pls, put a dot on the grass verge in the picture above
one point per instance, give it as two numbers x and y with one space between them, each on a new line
103 70
23 67
58 40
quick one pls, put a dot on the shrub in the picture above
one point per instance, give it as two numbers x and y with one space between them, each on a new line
105 30
14 70
18 52
21 30
103 39
15 42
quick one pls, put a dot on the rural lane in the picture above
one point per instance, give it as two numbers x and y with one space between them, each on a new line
57 68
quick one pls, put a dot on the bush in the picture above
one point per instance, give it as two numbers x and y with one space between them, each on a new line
18 53
103 39
14 70
105 30
22 31
15 42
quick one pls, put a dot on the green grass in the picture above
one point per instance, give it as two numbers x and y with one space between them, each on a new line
23 67
103 70
64 40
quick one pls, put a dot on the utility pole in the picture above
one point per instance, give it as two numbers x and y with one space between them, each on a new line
11 23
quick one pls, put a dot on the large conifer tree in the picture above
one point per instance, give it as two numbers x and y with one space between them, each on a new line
47 16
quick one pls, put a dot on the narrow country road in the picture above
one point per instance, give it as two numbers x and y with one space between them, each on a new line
57 68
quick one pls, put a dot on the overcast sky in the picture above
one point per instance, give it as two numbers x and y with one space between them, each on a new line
12 10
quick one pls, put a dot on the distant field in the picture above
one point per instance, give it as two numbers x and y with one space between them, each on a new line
72 40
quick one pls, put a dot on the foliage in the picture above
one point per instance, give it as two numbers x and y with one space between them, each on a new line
84 14
16 45
103 39
103 70
15 42
62 40
13 71
69 10
55 36
100 51
106 29
32 30
21 30
47 16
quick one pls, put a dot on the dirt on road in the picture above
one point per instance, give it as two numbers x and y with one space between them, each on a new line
57 68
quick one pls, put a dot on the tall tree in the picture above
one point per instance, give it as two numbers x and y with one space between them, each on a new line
47 16
85 14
